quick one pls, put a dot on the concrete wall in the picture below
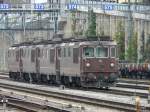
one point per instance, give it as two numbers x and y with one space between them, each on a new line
107 25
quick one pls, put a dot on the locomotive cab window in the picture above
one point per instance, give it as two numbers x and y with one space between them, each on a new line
101 52
88 51
113 52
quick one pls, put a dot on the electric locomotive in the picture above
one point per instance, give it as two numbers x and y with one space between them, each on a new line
78 62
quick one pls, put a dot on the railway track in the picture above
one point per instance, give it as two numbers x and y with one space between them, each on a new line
134 81
128 89
133 86
70 95
24 106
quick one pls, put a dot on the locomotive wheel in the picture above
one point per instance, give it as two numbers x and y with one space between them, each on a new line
34 78
100 87
10 75
26 77
106 88
44 79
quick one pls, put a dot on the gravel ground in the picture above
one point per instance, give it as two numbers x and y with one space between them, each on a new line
87 108
10 109
90 94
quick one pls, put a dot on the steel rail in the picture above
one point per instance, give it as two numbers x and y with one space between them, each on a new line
111 90
135 86
76 98
135 81
28 106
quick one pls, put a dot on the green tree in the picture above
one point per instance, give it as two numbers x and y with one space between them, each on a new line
147 51
91 31
75 31
120 39
142 47
131 53
73 25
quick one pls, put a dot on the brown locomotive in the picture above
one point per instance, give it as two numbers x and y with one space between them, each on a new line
79 62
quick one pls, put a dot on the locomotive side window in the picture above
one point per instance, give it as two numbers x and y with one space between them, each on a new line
64 52
45 53
41 53
17 55
28 52
69 52
24 52
88 51
75 55
52 55
8 53
59 52
42 50
11 53
32 55
113 52
38 52
102 52
21 52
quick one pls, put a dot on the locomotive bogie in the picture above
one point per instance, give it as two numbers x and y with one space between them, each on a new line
99 80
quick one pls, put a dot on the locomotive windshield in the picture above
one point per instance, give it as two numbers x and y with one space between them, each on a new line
102 52
88 51
113 52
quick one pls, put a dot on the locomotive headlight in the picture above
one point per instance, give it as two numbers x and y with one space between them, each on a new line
88 65
106 77
112 64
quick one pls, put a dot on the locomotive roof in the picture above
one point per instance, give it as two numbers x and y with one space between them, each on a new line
105 40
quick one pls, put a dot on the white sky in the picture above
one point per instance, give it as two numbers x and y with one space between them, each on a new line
38 1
